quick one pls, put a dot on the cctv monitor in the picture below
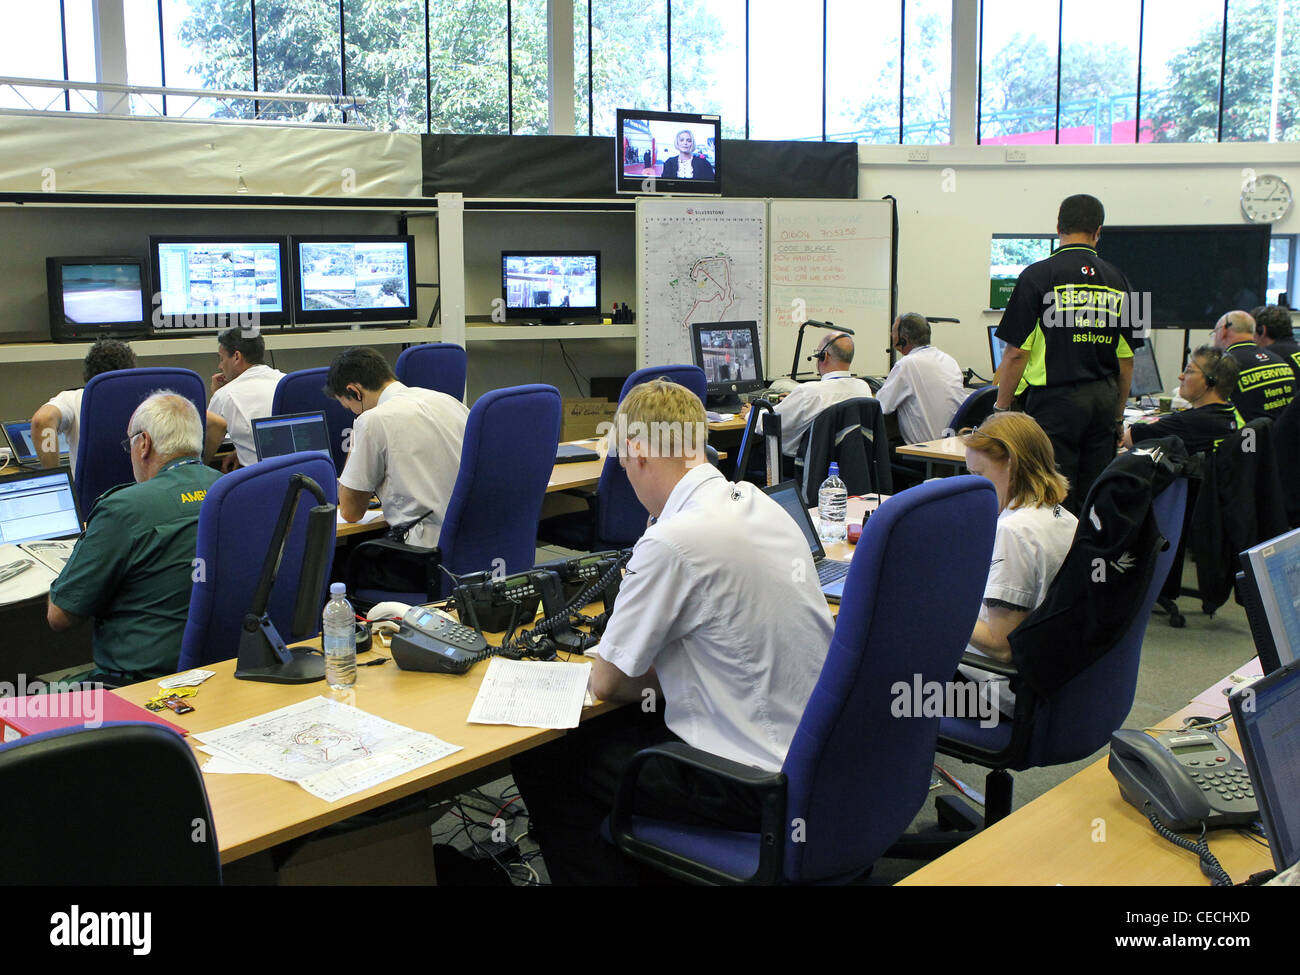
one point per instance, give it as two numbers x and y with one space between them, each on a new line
1146 376
353 280
552 286
90 297
208 284
730 355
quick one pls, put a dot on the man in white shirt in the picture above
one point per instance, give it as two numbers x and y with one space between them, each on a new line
62 414
798 410
406 445
719 634
925 386
239 393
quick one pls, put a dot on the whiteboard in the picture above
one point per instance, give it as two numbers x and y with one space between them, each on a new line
829 260
697 261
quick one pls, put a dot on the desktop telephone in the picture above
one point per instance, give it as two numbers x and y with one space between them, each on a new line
1184 778
432 641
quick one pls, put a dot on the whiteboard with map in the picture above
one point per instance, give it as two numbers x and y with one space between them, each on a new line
697 261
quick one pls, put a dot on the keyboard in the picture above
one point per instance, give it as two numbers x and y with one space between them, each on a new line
828 570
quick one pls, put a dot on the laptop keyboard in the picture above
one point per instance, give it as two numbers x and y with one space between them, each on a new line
829 570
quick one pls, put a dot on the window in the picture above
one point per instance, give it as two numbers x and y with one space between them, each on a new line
1099 71
629 58
927 66
467 67
1281 262
199 52
1181 46
863 49
299 51
528 68
35 51
785 71
1018 73
708 61
383 60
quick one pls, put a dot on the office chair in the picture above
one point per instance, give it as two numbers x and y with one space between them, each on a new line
303 391
236 524
1072 721
975 409
851 433
615 518
122 804
107 403
857 772
439 366
491 519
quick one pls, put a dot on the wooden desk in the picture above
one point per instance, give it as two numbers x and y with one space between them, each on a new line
255 812
1082 833
948 451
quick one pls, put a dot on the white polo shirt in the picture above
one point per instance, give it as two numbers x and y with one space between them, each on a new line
798 410
68 403
407 450
721 597
242 400
925 388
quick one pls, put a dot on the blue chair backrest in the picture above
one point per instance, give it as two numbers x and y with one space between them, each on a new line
107 403
1079 718
975 409
236 524
303 391
505 464
858 770
620 517
435 365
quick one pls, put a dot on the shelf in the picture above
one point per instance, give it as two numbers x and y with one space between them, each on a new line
414 204
510 333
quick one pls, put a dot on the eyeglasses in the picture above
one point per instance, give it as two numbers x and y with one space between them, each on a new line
126 444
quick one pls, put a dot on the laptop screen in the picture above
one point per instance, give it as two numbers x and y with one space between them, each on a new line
1267 715
275 436
38 506
786 494
19 434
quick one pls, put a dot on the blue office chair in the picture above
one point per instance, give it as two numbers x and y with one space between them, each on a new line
856 773
975 409
107 403
236 525
505 465
615 518
303 391
439 366
1073 721
122 804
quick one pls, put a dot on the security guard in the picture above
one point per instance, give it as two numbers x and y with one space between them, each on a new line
1265 381
133 568
1069 352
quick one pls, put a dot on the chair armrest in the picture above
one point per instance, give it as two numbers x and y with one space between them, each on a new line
1004 668
395 567
770 787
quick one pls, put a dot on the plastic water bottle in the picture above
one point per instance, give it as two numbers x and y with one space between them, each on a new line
339 636
832 507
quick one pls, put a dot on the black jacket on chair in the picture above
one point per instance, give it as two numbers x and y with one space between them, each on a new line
851 433
1286 451
1106 573
1239 506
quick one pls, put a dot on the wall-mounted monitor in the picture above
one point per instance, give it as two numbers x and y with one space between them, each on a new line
207 284
353 279
729 353
667 152
96 296
551 286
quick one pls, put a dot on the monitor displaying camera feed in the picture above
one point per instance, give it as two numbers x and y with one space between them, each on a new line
550 286
94 296
728 353
667 152
353 279
212 283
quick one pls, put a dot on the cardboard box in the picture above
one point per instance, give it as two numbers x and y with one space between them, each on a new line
581 417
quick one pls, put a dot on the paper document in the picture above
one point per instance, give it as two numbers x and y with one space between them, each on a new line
531 694
372 514
54 554
28 578
329 748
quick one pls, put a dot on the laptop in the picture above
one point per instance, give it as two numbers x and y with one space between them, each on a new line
38 506
830 572
19 435
1267 715
275 436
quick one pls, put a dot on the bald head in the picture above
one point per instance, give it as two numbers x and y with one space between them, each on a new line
1234 327
839 352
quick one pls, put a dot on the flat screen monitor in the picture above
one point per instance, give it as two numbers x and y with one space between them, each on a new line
1267 717
1146 375
346 280
19 435
38 506
654 151
996 348
1273 568
96 296
730 355
548 287
208 284
1186 277
275 436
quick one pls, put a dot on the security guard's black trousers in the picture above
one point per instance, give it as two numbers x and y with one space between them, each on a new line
1079 419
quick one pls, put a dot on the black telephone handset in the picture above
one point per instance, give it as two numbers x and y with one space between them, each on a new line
1186 778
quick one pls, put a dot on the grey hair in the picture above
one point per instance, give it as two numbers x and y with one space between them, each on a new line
172 422
914 328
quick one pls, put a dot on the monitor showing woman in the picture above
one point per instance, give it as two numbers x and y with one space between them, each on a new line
686 164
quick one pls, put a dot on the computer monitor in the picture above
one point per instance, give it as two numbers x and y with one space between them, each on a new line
1271 575
344 280
550 286
1146 375
208 284
275 436
1267 718
648 147
91 297
996 348
731 357
19 435
38 506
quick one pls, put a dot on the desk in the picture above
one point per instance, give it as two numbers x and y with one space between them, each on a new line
1054 839
949 451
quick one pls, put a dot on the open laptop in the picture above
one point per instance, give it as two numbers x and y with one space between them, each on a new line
1267 715
830 572
275 436
19 435
38 506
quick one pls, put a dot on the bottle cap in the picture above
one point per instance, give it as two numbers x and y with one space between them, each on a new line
338 588
834 471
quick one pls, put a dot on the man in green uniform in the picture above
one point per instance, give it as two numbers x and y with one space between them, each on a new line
133 568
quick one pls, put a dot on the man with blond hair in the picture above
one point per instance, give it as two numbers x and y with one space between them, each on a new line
132 570
719 635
